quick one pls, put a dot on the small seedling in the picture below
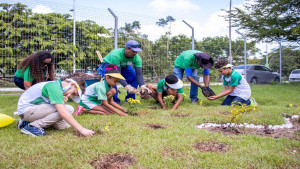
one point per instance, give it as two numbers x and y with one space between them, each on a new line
169 100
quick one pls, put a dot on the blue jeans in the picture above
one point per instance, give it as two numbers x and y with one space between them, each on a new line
178 72
229 99
129 74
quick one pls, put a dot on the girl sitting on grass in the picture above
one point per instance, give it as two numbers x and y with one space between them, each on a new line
171 85
98 97
237 89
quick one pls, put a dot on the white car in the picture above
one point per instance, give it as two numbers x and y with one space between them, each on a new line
295 76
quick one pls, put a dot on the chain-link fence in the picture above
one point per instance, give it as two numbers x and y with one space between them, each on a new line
23 30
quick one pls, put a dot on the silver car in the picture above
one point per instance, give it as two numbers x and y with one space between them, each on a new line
258 74
295 76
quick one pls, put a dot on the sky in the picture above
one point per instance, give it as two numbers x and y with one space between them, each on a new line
202 15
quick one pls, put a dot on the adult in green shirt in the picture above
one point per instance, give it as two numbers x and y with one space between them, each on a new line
125 59
35 68
189 62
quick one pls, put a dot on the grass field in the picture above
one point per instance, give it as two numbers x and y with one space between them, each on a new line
171 147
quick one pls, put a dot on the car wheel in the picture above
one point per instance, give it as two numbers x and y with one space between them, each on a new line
254 80
277 79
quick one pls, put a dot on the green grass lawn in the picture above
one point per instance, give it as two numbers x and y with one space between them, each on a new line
171 147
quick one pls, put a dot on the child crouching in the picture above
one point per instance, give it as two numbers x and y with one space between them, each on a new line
98 97
171 85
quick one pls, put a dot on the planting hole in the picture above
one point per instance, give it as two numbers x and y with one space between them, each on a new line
113 161
211 146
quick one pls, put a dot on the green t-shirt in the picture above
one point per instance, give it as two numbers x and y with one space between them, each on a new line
26 75
187 60
41 93
96 92
161 86
117 57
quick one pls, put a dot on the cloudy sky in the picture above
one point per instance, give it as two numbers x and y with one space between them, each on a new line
203 15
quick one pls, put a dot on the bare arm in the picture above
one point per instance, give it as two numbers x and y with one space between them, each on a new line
27 84
113 103
112 108
63 112
228 90
206 80
191 79
160 100
178 101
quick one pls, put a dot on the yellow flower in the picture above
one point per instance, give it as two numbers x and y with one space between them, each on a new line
201 102
290 105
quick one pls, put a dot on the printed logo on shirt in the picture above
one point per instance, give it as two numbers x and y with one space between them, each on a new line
129 63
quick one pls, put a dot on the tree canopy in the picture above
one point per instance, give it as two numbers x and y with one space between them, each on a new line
271 19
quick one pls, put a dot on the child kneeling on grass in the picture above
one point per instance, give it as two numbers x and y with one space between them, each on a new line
171 85
43 105
98 97
236 86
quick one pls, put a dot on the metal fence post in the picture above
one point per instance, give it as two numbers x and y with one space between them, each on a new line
116 27
193 43
280 75
245 51
74 36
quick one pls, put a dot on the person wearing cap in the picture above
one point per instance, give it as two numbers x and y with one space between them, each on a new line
98 97
43 105
189 62
236 89
171 85
125 59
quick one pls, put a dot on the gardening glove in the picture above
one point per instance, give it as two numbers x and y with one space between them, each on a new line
145 92
207 92
130 89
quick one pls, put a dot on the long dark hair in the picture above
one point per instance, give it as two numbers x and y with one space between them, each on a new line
36 63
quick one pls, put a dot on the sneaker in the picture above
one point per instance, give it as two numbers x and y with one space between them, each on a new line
195 102
33 131
21 124
253 102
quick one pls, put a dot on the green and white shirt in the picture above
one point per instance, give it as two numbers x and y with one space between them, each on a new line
41 93
96 92
242 88
161 86
26 75
187 60
117 57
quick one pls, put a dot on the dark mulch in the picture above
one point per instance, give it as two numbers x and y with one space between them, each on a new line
82 75
181 115
156 126
292 133
113 161
145 95
153 107
211 146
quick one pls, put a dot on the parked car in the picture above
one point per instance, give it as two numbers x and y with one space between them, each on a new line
258 74
295 76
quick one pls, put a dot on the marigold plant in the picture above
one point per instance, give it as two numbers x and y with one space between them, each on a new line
239 110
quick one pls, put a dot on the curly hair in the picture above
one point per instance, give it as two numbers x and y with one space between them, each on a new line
36 63
221 63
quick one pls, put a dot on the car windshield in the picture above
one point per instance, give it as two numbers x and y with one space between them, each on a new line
295 72
242 67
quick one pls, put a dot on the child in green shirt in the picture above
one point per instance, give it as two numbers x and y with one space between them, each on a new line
98 97
171 85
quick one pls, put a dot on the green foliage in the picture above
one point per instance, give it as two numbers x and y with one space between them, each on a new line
169 100
269 19
238 111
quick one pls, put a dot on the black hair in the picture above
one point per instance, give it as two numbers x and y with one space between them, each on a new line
171 79
221 63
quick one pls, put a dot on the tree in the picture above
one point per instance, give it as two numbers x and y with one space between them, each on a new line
290 61
164 22
265 20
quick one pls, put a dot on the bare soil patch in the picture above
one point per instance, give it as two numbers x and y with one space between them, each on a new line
145 112
156 126
289 133
153 107
225 113
211 146
181 115
113 161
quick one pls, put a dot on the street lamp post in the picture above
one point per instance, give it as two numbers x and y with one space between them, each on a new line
245 51
280 65
193 43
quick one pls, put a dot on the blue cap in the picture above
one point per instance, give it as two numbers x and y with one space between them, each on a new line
134 45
